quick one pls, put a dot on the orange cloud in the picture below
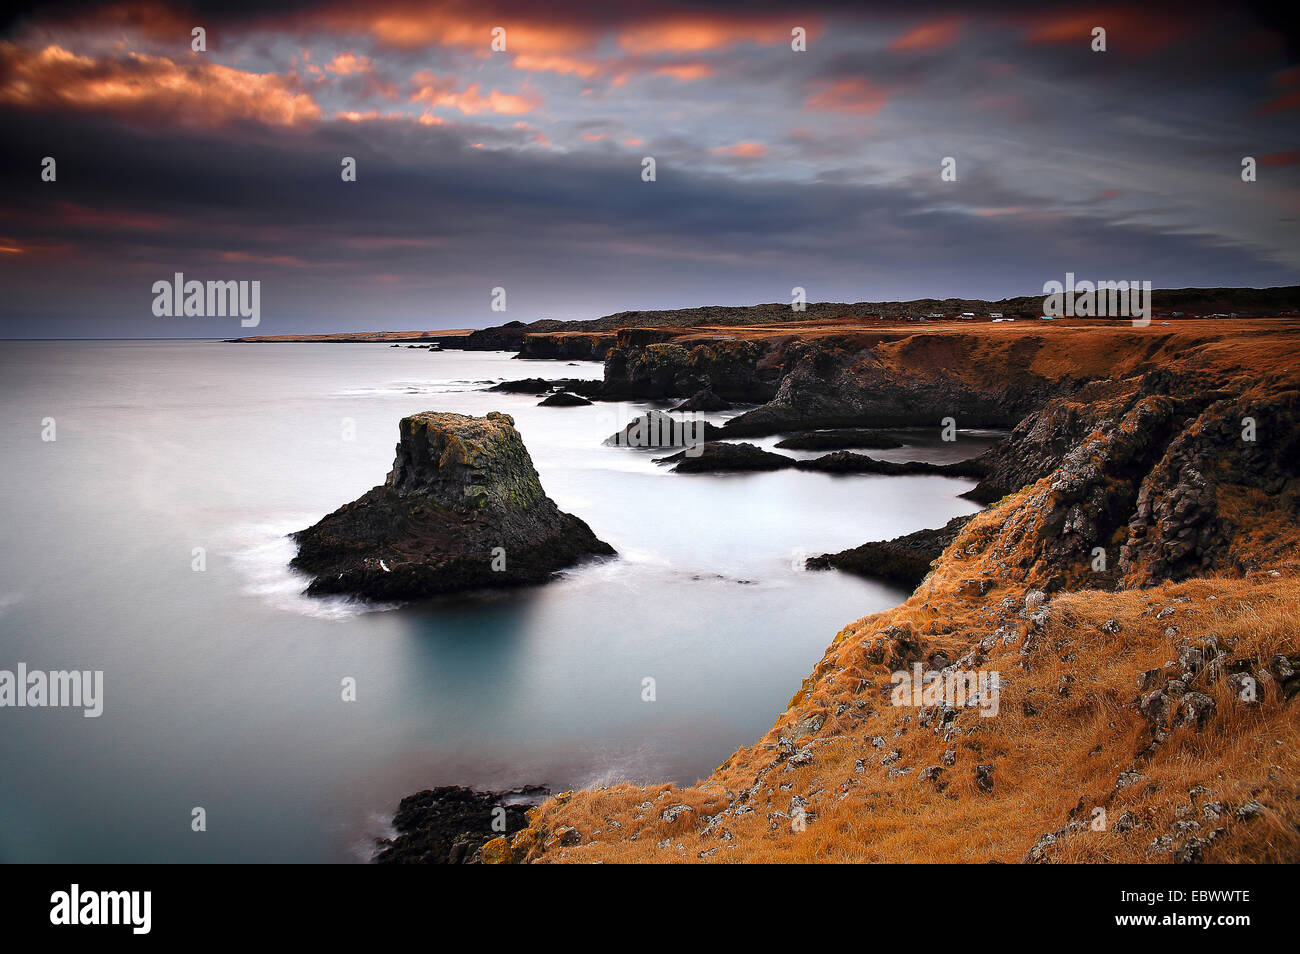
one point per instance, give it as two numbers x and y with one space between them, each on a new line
563 65
935 35
346 64
1290 158
287 261
694 34
77 215
415 25
685 72
850 95
742 150
436 91
369 116
1136 30
618 70
199 93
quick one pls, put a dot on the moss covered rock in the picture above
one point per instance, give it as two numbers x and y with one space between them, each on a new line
462 508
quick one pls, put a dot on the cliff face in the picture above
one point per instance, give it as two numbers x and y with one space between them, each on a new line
1133 591
462 508
567 346
658 363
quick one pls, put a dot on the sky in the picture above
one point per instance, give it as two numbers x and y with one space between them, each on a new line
521 165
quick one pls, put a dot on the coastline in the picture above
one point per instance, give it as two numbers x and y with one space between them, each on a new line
1071 392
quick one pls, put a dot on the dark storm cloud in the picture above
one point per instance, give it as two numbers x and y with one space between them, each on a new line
773 170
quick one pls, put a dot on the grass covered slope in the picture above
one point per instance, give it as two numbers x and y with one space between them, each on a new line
1146 709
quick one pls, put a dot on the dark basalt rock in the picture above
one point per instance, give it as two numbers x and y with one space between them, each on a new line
657 430
460 488
703 400
904 560
721 456
840 439
450 825
580 386
847 462
647 363
714 456
563 399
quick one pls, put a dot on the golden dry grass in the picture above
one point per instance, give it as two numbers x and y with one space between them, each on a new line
1055 755
1069 753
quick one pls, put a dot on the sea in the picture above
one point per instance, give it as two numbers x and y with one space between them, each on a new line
149 491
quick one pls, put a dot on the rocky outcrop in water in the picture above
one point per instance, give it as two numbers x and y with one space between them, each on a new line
566 346
657 430
563 399
703 400
453 825
721 457
582 386
903 560
651 363
461 509
840 439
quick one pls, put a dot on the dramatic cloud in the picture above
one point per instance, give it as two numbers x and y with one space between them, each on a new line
522 166
140 86
934 35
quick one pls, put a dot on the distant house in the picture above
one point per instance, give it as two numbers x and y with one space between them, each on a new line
967 316
995 314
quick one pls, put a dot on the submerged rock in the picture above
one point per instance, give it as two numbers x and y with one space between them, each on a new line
461 509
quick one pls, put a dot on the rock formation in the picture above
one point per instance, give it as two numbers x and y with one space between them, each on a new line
841 439
453 825
461 509
904 560
1131 585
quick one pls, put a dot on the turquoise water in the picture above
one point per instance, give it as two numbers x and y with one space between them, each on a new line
223 687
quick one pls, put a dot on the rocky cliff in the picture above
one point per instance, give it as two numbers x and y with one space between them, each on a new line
462 508
1131 588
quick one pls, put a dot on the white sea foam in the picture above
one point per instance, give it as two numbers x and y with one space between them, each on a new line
377 825
262 553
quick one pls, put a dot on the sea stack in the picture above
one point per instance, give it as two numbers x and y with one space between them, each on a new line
462 508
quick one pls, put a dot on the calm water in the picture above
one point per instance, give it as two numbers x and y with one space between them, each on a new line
222 687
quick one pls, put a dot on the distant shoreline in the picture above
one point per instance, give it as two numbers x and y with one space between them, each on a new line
358 336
